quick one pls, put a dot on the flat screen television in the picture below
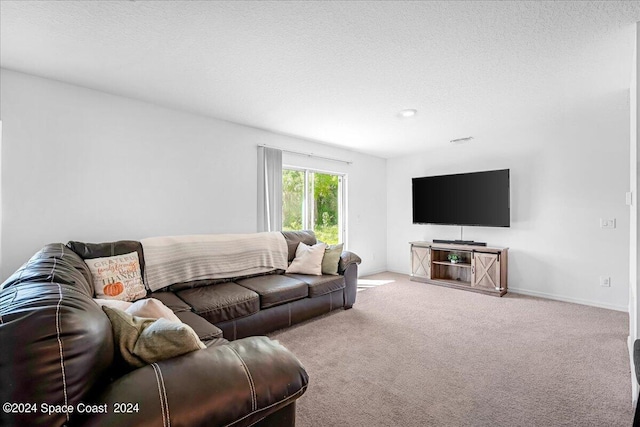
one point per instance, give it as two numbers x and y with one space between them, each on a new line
478 198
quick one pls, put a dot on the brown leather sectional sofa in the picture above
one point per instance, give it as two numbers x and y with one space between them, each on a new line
57 348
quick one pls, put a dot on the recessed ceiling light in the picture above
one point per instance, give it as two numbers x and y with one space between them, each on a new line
408 113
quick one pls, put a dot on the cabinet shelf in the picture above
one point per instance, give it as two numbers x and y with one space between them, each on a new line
451 264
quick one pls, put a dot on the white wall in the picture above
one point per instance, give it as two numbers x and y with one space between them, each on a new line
634 261
569 167
0 191
79 164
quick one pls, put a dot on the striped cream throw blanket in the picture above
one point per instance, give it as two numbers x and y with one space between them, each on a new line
171 260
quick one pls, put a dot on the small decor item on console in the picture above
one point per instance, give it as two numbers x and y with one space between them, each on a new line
454 258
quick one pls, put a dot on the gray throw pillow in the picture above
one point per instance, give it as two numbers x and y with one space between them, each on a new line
142 341
331 259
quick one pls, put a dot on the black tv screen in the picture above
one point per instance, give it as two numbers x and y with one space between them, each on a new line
479 198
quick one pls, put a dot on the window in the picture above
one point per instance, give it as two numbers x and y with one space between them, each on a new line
314 200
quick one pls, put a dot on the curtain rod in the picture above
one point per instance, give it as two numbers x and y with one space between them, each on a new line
300 153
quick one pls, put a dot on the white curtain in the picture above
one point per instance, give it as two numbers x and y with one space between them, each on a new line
269 189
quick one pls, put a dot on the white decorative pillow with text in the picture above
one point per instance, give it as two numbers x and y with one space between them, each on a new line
117 277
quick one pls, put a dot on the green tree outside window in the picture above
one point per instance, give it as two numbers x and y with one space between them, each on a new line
322 213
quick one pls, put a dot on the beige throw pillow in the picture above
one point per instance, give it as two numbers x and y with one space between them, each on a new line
152 308
332 259
113 303
308 259
117 277
141 341
147 307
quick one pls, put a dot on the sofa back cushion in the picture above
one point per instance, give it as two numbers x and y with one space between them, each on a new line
292 238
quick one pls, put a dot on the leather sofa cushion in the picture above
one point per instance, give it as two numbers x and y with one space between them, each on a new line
224 301
205 330
196 284
276 289
320 285
171 300
292 238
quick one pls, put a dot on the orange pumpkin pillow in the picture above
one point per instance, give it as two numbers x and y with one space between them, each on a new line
117 277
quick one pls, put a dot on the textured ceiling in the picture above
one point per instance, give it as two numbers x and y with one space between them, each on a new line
335 72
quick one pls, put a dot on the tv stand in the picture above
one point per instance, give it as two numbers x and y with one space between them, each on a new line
461 242
477 268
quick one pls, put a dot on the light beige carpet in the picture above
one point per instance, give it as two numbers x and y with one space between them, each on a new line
412 354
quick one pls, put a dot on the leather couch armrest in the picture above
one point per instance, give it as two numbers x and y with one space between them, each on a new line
346 259
238 383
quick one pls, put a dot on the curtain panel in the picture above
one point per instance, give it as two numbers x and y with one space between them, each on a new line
269 189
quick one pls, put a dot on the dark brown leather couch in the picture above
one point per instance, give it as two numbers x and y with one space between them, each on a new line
242 307
57 351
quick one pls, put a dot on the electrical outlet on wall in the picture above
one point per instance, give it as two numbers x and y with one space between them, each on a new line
607 223
605 281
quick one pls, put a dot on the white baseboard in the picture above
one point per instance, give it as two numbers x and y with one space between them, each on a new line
371 273
570 299
555 297
399 272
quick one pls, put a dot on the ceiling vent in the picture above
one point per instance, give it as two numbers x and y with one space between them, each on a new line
461 140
